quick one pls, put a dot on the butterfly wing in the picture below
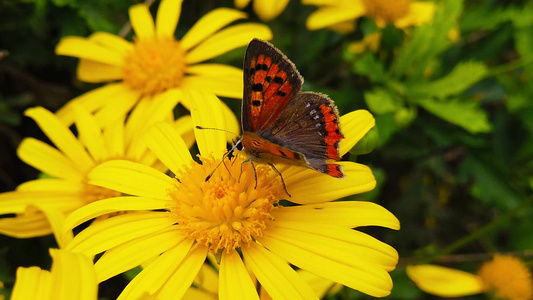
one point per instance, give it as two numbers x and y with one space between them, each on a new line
309 125
270 82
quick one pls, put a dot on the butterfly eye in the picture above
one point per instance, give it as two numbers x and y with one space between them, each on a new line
239 146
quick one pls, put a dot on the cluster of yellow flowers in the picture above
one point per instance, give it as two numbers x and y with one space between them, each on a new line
197 239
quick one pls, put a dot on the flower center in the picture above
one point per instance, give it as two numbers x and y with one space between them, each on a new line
155 66
224 212
388 11
507 277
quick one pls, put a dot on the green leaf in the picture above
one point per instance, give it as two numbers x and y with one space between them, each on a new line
457 81
468 115
368 65
379 101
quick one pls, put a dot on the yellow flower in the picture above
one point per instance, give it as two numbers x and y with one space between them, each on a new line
72 277
156 62
506 277
72 158
266 10
400 13
177 221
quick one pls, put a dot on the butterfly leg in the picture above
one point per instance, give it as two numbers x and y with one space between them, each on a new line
280 176
255 173
242 163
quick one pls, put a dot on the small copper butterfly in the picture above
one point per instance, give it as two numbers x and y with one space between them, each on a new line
279 122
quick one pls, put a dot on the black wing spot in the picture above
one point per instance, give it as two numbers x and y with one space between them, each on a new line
256 103
257 87
268 79
278 80
258 67
282 153
280 93
252 71
265 67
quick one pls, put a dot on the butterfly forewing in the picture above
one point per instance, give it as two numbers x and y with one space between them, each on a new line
270 82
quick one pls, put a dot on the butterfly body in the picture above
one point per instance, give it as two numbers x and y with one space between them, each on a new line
279 122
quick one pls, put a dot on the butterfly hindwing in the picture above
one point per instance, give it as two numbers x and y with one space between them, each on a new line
270 82
309 125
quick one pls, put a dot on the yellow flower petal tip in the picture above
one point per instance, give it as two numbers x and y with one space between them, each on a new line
444 282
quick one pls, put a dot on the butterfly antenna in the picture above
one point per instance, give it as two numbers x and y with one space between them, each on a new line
219 129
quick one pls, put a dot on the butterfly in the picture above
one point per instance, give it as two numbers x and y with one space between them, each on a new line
279 122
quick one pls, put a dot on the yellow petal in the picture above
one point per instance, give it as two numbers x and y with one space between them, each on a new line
62 137
275 275
118 108
235 282
445 282
56 218
232 124
32 283
167 18
155 274
16 202
168 146
227 40
240 4
324 17
151 111
142 22
420 13
114 138
184 127
181 280
224 87
131 178
320 285
51 185
354 126
216 71
351 247
297 250
89 133
25 226
73 276
117 230
207 111
84 48
112 41
47 159
268 10
358 179
96 72
320 2
108 206
131 254
349 214
209 24
158 110
92 101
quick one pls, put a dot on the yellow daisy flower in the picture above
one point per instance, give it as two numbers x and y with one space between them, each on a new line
400 13
506 277
266 10
157 62
69 162
174 223
72 277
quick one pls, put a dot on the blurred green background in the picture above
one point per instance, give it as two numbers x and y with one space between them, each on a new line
452 149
